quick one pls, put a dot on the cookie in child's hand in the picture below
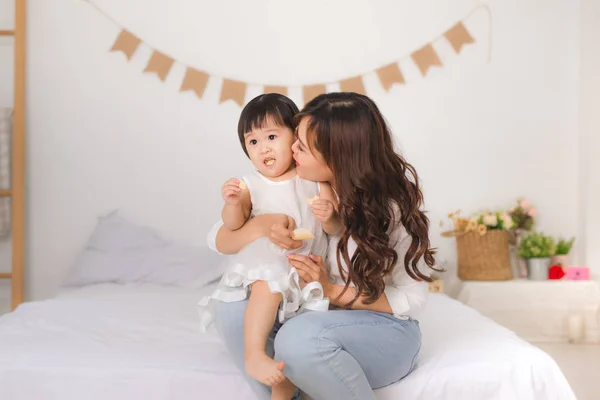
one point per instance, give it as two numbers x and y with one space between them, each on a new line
302 234
242 185
310 201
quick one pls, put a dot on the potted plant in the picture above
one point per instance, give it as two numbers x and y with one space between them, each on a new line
537 249
523 215
561 255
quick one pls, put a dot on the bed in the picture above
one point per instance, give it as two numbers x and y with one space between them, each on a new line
134 341
125 326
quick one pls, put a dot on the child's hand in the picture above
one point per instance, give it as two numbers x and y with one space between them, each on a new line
323 210
232 193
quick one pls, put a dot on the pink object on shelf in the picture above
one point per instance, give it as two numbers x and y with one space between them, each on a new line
578 274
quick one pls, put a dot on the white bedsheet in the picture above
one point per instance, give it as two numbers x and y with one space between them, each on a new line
141 342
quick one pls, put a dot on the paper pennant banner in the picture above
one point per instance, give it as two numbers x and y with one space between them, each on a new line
276 89
194 80
425 58
160 64
197 81
458 36
353 85
389 75
127 43
233 90
311 91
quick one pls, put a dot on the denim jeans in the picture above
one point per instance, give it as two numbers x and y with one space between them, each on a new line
334 355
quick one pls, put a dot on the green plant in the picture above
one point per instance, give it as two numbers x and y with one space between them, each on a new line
537 245
564 247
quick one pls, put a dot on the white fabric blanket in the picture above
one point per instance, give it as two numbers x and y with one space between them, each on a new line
123 342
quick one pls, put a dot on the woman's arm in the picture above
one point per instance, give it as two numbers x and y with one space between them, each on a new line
277 227
333 292
312 269
402 294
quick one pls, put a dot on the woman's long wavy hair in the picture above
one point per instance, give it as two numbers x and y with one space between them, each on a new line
350 133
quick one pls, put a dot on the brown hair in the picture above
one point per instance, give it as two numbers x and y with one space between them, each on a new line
255 115
369 177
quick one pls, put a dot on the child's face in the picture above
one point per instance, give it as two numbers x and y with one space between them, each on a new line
270 149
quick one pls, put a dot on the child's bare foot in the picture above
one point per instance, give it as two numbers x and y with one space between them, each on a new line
264 369
284 391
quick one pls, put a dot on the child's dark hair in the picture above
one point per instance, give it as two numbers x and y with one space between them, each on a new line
277 107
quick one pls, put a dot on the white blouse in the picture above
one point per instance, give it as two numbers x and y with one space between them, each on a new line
406 296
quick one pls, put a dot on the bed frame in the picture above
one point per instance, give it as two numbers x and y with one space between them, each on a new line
17 190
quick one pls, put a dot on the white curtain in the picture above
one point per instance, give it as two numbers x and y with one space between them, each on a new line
5 175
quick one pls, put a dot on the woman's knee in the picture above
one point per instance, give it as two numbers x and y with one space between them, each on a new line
298 342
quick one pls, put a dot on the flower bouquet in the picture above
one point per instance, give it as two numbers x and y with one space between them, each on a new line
482 242
523 216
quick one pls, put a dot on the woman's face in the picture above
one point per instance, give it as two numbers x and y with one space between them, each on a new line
310 165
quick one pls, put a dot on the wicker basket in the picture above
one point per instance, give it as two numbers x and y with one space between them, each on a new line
483 257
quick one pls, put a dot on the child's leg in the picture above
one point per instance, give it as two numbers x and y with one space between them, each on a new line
284 391
258 322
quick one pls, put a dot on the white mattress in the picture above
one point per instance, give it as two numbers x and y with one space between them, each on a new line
141 342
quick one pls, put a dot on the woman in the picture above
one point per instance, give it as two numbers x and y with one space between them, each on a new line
370 339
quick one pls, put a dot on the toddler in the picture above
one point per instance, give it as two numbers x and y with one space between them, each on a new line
266 133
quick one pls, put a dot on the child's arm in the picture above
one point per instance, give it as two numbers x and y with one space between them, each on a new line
325 209
237 204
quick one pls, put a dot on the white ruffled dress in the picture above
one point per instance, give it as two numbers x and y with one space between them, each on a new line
261 260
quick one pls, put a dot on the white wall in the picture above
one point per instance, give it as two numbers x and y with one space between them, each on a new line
6 54
103 135
590 135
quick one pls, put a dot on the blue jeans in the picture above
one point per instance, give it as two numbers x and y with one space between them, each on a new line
334 355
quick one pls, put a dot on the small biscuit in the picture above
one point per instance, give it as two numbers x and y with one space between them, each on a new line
242 185
302 234
310 201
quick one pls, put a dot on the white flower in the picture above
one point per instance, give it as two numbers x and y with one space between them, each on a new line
507 221
490 220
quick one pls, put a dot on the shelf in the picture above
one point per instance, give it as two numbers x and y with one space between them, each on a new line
5 275
7 33
5 193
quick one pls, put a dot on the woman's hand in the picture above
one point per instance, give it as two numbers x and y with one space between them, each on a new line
281 234
311 269
231 242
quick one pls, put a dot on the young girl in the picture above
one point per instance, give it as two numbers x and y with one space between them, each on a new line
266 133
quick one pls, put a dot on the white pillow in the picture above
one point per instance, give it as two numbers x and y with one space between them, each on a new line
121 251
